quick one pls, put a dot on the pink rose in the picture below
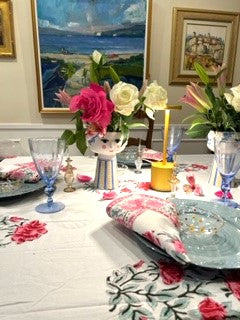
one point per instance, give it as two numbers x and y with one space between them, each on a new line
233 282
29 231
211 310
15 219
171 272
83 178
93 102
109 195
179 247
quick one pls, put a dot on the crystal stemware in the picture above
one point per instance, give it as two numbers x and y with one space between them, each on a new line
175 135
227 155
47 154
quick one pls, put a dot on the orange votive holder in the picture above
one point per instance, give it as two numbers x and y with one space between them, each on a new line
161 175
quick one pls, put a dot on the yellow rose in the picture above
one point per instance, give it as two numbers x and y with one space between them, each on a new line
155 97
125 97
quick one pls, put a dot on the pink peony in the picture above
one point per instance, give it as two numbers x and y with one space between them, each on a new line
211 310
96 108
179 247
233 282
171 272
29 231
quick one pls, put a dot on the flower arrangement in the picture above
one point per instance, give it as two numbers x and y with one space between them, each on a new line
99 107
217 112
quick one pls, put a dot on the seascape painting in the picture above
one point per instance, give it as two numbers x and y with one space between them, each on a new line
69 31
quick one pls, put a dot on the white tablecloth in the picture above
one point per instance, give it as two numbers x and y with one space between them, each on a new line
62 275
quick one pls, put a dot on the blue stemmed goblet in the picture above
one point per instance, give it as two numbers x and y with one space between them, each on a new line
175 135
47 154
227 155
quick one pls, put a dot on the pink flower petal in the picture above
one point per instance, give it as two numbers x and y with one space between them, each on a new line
198 190
109 195
191 180
220 194
83 178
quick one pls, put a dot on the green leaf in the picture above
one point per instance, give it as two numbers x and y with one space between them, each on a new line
81 141
198 131
136 125
201 73
93 74
181 303
69 137
166 313
114 76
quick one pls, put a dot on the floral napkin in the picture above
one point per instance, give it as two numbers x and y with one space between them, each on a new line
150 154
11 171
153 218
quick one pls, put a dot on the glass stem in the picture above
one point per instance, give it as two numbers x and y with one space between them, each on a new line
225 186
49 190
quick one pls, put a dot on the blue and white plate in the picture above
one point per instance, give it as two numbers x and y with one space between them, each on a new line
218 251
25 188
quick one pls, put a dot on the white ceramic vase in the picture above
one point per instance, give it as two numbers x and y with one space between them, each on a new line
106 147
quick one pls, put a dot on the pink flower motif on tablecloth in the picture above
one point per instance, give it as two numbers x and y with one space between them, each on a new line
233 282
127 190
139 264
83 178
212 310
220 194
144 186
179 247
171 272
29 231
109 195
143 318
151 237
15 219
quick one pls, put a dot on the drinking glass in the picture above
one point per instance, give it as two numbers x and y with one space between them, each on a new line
227 155
47 154
175 135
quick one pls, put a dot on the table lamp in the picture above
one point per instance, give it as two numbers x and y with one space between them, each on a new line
161 171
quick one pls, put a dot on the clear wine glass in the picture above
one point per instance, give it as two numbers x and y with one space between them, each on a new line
175 135
227 155
47 154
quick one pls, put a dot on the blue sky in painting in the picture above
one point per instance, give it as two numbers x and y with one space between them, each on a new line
89 15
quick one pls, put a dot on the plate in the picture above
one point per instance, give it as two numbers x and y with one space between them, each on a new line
26 188
128 157
218 251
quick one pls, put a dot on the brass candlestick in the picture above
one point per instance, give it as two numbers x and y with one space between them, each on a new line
69 176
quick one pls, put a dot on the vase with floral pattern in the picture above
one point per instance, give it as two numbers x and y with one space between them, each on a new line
106 146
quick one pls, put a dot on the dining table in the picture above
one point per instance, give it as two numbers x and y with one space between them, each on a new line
80 264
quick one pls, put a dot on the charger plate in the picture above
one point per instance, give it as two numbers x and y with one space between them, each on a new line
25 188
218 251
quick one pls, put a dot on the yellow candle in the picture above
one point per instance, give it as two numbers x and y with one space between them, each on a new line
161 175
165 139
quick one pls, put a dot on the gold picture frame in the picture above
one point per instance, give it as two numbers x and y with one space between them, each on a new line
205 36
53 54
7 48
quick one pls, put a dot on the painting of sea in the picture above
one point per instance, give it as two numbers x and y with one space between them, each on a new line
67 32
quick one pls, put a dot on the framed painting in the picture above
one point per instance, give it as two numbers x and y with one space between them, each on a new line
6 30
67 32
207 37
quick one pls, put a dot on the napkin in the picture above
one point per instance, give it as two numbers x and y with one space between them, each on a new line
27 170
154 218
150 154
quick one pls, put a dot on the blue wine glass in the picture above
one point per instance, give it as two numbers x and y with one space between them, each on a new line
175 135
47 154
227 155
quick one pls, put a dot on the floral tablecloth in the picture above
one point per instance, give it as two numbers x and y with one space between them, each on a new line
80 264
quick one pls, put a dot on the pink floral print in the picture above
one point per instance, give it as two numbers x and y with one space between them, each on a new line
212 310
29 231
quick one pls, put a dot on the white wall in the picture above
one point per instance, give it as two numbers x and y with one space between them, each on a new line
18 88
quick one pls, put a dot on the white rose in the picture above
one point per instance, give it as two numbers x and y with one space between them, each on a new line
125 97
96 56
234 99
155 97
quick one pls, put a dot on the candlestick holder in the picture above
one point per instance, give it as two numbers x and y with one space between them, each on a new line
69 176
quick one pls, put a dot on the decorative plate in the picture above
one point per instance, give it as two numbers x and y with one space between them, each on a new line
128 157
25 188
219 250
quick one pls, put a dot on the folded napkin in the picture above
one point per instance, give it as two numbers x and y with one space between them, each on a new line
153 218
27 170
150 154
